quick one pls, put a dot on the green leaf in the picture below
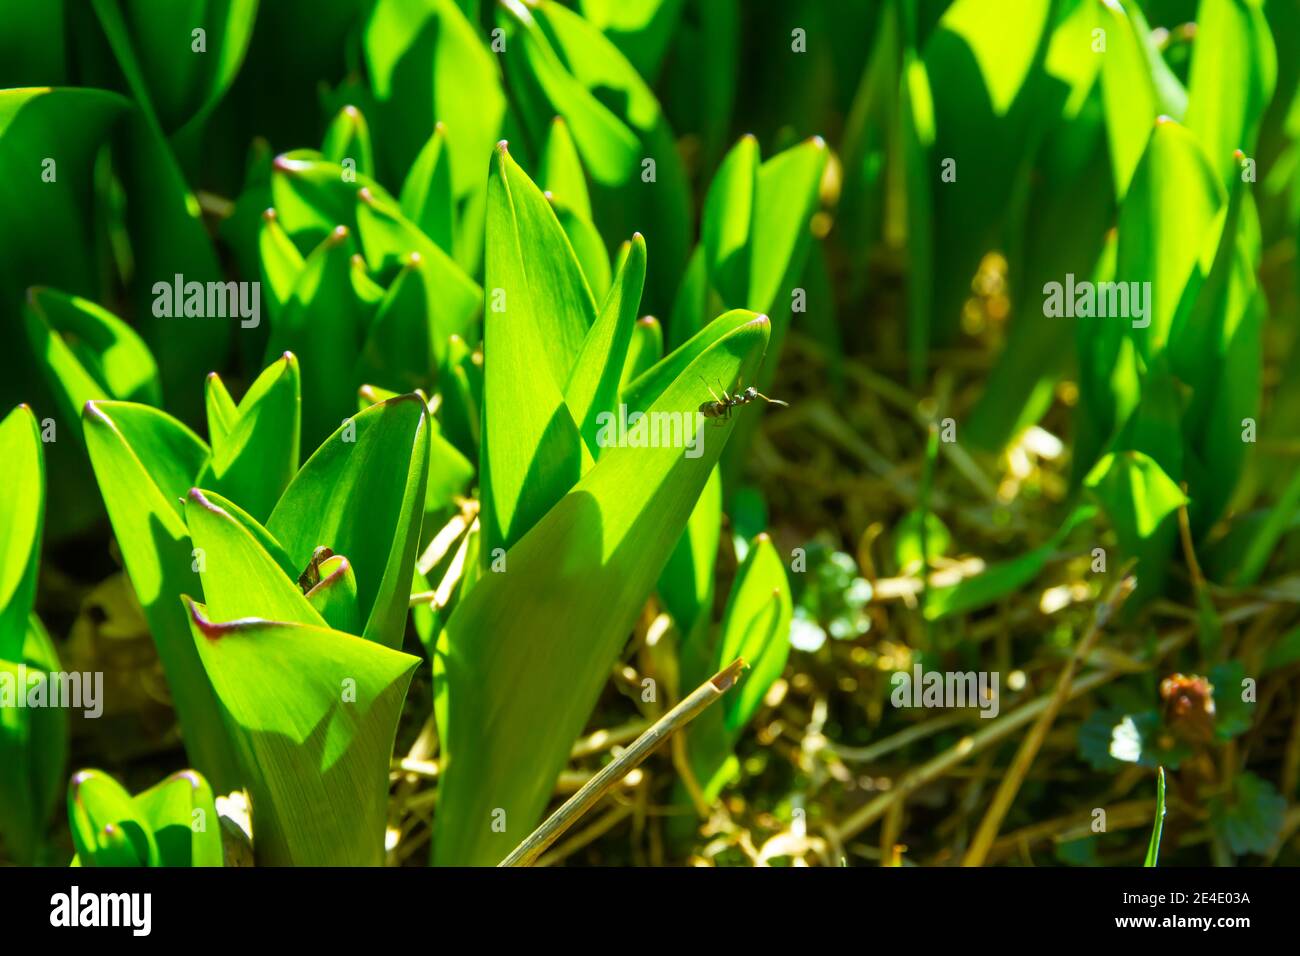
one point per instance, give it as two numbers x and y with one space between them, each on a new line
1231 80
108 828
44 243
592 386
22 510
145 463
997 581
756 626
362 495
87 353
1250 818
312 197
182 813
279 261
644 350
1232 714
1141 502
686 584
1136 85
348 139
569 68
255 444
240 577
335 596
538 315
543 634
727 222
588 247
322 324
641 29
427 198
175 83
560 173
33 751
314 712
421 57
389 239
1167 225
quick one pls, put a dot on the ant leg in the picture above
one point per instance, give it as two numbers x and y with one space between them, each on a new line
711 393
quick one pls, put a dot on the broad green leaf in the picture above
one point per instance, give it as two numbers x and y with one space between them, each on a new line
727 222
33 751
421 57
44 242
592 386
279 261
531 262
537 315
1165 229
608 145
1216 347
314 712
157 50
87 353
362 495
1137 87
171 252
756 627
254 528
641 29
322 324
108 828
182 813
644 390
785 197
588 247
401 350
644 350
1250 816
335 596
560 173
1232 76
686 584
638 182
240 577
347 141
389 239
543 634
145 463
22 510
255 445
427 198
312 197
1141 502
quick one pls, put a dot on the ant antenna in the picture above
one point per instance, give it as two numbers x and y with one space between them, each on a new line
772 401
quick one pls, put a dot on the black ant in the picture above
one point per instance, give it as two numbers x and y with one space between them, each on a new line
720 408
